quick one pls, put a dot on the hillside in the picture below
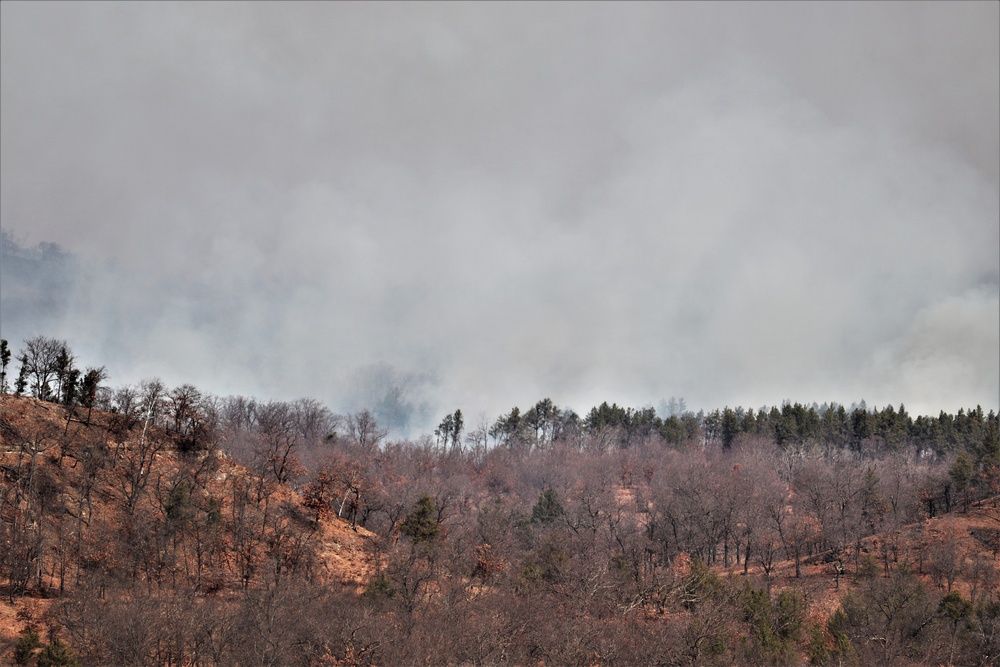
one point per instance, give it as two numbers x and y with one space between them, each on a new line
209 532
90 498
961 546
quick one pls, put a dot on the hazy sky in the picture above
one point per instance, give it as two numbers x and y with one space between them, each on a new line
488 204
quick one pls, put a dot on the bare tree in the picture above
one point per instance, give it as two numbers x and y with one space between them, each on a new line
22 503
313 420
152 401
135 458
478 438
183 404
277 437
134 465
4 360
126 409
39 360
364 430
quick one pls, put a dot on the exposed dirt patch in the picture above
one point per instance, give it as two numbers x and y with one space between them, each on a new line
48 439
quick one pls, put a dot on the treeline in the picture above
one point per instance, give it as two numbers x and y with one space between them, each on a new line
48 371
829 426
622 537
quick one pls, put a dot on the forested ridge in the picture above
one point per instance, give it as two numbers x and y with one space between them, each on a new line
165 526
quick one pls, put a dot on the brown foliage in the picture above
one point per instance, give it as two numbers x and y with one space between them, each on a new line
395 553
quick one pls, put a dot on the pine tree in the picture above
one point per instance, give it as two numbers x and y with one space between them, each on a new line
58 654
961 473
548 508
443 431
421 524
457 426
26 645
21 385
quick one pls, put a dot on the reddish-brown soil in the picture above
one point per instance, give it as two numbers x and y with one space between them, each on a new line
345 560
818 581
341 549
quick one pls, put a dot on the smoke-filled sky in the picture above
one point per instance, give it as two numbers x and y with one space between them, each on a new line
477 206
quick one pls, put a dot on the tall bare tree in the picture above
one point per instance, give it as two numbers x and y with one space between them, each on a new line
40 364
363 428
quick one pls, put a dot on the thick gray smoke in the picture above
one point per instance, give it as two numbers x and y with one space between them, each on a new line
439 206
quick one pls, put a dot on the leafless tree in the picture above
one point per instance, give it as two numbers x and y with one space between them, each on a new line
39 359
363 428
134 461
23 507
183 403
276 438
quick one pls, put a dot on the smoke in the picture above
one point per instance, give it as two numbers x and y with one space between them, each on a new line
398 400
950 349
37 284
419 208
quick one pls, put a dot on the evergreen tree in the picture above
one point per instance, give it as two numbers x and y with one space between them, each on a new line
444 429
66 375
89 385
21 385
961 473
457 426
70 387
450 430
730 427
748 424
422 524
507 427
548 508
58 654
988 462
989 450
26 645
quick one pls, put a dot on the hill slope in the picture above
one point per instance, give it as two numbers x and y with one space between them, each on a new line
93 500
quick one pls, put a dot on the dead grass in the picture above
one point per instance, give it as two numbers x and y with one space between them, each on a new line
342 550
